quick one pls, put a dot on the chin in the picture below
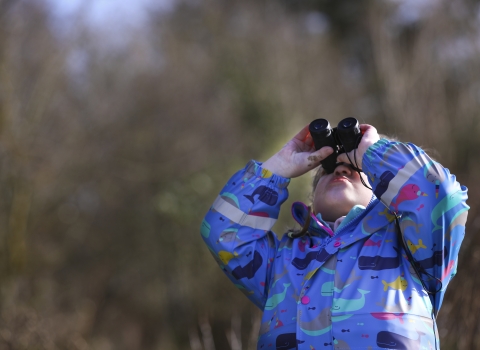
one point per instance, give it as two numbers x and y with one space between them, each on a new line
336 198
331 215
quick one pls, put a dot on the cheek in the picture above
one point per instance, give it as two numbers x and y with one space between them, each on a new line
318 195
364 193
319 189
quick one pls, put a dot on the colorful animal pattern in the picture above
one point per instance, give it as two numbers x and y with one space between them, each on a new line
352 289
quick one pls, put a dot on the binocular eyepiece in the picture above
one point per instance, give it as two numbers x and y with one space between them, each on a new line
344 138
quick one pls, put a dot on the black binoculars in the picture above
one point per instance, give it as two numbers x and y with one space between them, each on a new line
344 138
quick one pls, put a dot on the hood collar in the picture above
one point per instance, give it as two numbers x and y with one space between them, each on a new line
317 225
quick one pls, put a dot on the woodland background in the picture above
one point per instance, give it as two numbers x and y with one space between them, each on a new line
113 147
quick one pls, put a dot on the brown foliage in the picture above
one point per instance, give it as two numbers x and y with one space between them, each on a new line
111 154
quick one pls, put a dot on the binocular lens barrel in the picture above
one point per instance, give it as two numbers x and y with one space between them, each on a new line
344 138
348 131
347 123
320 127
322 133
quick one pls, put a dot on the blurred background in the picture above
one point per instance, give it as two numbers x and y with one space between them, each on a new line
121 121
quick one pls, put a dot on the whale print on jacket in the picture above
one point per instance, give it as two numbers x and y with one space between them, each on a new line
321 324
229 235
382 186
265 194
231 199
436 259
349 305
302 264
434 174
248 271
408 192
379 262
276 299
390 340
205 229
287 341
388 316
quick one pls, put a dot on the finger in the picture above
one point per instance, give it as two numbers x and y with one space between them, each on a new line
342 158
349 158
309 140
302 134
317 156
352 158
305 138
368 130
365 127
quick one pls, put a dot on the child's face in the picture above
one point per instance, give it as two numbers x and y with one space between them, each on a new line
336 193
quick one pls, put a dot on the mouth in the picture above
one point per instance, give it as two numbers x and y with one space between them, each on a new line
339 179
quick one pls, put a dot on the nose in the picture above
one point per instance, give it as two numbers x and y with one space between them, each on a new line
343 169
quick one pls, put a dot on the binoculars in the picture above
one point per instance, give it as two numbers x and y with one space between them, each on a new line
344 138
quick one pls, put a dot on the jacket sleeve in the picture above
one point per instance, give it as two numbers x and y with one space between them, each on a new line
431 203
237 228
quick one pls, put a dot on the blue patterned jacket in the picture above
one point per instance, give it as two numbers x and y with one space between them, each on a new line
355 289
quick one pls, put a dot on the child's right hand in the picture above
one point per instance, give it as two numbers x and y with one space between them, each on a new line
297 157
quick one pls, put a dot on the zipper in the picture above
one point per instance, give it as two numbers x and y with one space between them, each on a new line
356 219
